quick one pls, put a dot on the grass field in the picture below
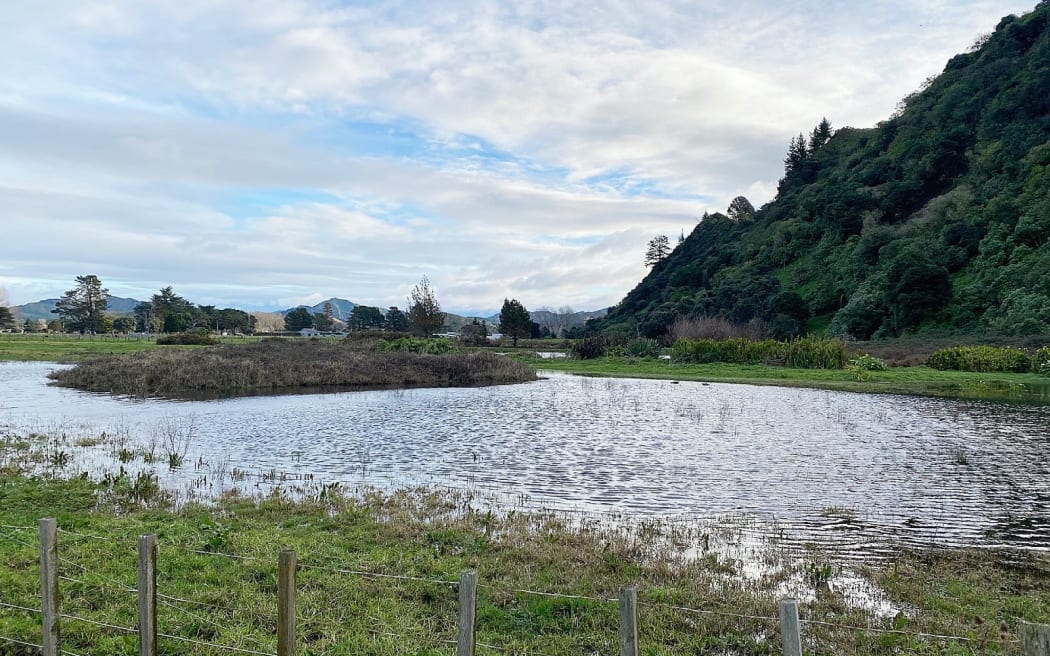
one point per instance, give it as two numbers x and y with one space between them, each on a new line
898 380
67 348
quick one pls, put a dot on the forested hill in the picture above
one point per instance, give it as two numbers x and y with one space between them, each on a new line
937 217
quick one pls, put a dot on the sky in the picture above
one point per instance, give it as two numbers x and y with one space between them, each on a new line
266 153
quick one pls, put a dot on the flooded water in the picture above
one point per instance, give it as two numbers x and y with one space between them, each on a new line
859 472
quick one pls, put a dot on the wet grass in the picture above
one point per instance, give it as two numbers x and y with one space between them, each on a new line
217 572
900 380
283 365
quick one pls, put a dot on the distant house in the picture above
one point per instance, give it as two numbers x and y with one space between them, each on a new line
309 332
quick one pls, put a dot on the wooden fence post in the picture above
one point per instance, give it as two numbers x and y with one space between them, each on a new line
789 627
629 621
49 609
468 606
1035 639
148 595
286 564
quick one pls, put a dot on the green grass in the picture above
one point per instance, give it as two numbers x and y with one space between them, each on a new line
214 598
67 348
901 380
74 348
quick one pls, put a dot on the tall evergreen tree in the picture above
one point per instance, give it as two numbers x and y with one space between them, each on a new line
171 313
424 311
514 320
298 319
396 321
83 308
7 319
820 135
659 249
798 153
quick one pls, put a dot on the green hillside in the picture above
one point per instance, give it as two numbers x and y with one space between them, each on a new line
938 217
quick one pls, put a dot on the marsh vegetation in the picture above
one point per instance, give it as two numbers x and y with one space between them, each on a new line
275 365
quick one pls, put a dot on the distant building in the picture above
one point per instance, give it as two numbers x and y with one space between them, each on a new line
309 332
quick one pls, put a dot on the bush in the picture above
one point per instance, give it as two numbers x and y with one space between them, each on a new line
430 346
192 337
982 359
643 348
589 348
865 362
802 353
1041 361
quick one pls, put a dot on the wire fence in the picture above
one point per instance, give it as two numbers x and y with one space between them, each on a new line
213 616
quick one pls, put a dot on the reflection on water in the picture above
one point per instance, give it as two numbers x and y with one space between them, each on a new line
861 472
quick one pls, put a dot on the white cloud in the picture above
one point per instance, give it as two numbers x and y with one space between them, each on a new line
212 146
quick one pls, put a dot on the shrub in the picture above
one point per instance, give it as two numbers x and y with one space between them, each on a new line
431 345
643 348
1041 361
865 362
982 359
802 353
192 337
589 348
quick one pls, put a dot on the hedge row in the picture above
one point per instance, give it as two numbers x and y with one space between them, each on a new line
802 353
988 359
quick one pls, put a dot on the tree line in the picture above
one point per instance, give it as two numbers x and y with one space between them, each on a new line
83 309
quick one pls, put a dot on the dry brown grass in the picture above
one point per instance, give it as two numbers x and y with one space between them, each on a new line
281 365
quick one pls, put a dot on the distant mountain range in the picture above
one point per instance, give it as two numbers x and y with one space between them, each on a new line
341 309
42 309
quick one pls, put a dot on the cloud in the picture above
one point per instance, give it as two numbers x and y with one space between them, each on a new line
266 151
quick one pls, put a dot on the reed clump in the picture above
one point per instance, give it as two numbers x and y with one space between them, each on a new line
990 359
284 365
801 353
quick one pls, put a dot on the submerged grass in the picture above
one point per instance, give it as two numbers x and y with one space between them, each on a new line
899 380
548 580
279 365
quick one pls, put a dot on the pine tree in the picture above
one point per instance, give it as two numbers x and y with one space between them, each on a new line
424 311
514 320
659 249
82 308
798 153
7 319
820 136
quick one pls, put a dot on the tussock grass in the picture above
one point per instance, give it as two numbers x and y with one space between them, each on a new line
279 365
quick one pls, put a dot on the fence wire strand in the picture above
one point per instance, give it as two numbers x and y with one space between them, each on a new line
93 537
21 642
397 577
202 604
556 595
718 613
198 617
505 650
916 634
4 604
191 641
104 625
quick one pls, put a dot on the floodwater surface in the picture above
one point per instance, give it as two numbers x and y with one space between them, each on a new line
847 469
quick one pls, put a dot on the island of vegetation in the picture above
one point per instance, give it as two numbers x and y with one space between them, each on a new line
277 365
